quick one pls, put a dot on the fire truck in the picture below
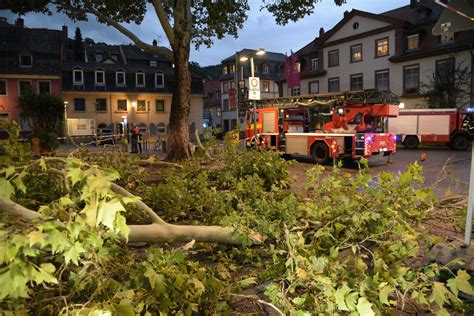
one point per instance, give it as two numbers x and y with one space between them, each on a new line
348 125
433 126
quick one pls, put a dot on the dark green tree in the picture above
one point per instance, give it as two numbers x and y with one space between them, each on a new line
449 85
184 22
78 46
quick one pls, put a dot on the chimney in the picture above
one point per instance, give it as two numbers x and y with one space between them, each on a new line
64 41
155 43
346 13
414 3
20 23
321 31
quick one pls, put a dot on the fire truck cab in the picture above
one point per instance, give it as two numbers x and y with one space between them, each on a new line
347 125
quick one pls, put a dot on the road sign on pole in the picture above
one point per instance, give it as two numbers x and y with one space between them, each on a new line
254 95
254 84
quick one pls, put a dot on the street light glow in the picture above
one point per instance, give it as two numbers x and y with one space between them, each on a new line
261 51
244 58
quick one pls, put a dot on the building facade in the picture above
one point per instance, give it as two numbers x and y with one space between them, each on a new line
269 67
393 51
28 58
119 85
212 96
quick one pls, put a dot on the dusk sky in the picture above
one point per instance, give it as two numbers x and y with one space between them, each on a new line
260 29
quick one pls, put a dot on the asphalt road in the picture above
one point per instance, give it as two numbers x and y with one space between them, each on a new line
453 167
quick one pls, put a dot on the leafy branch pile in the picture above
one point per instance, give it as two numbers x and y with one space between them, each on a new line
342 245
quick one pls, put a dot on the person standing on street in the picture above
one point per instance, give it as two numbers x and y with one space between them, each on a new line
134 139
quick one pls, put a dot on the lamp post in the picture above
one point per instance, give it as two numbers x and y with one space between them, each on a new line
65 123
260 52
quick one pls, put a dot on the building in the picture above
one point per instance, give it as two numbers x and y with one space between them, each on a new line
212 96
269 67
394 50
118 85
28 58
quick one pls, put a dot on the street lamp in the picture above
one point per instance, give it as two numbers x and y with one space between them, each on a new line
65 122
260 52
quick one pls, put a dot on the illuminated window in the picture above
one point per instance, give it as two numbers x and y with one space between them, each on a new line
381 47
356 53
413 42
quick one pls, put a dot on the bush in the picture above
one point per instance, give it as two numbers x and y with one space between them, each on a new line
49 141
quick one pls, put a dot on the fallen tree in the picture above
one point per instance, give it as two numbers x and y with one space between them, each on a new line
157 232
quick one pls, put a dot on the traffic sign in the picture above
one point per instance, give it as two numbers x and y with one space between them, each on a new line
254 95
254 84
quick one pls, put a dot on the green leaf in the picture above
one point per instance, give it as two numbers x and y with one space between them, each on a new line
384 293
73 253
157 281
8 171
340 297
364 307
6 189
43 164
247 282
460 283
108 211
439 294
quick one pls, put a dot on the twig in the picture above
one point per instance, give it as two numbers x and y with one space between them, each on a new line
259 301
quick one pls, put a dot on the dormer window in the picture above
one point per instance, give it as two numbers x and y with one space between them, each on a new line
99 78
314 64
120 78
159 80
265 68
413 42
225 70
447 37
232 67
153 63
26 61
78 76
140 79
98 57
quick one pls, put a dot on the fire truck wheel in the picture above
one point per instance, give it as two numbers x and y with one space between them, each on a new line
411 142
320 153
460 142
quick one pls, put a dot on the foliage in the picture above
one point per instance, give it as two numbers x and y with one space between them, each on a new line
447 88
78 48
344 245
44 112
49 141
11 150
352 254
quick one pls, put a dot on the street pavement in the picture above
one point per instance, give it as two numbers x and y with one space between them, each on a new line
450 166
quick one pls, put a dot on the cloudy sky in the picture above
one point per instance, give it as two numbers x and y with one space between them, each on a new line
260 29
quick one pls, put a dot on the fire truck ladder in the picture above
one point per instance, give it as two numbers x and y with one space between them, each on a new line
368 97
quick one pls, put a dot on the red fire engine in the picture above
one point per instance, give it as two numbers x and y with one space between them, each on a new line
346 125
443 126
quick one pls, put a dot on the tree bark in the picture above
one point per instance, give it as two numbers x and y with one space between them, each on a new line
178 133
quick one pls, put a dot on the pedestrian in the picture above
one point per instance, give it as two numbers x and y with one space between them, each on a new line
134 139
140 141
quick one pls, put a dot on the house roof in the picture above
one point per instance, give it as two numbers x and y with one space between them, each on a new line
36 40
426 11
133 52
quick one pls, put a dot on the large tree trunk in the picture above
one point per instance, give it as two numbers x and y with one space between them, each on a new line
178 133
